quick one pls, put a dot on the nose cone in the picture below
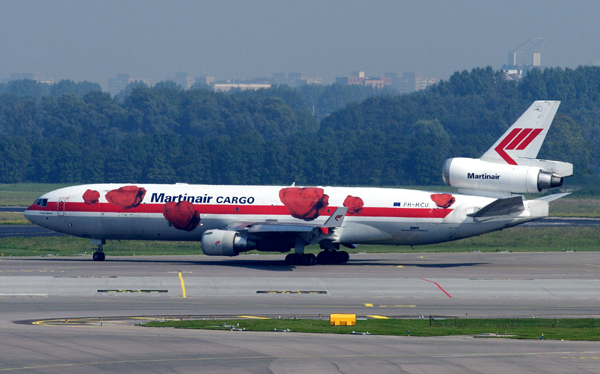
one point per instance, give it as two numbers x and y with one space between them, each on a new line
30 213
37 212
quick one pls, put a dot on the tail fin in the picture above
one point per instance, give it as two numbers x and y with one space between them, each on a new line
525 137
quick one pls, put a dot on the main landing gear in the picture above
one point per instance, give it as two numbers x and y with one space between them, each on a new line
99 254
323 258
329 255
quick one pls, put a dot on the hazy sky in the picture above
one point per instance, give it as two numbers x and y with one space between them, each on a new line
94 40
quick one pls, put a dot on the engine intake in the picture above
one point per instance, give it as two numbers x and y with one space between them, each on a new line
225 243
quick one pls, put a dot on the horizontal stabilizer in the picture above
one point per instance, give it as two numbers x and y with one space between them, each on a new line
553 197
500 207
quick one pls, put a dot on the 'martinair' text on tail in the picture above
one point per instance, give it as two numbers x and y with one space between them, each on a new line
510 166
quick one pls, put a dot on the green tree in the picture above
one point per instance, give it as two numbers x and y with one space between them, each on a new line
429 145
15 154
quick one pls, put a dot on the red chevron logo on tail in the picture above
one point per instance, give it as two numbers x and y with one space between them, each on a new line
517 139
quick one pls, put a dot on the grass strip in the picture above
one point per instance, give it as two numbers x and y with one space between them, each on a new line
13 218
518 328
24 194
517 239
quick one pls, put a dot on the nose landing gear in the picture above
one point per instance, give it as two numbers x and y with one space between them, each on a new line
99 254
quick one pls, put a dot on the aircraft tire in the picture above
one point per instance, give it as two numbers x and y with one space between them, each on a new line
324 258
291 259
345 256
98 256
307 259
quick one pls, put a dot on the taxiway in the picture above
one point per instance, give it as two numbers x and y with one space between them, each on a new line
382 285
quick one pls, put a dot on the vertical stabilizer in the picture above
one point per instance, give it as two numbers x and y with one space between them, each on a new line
525 137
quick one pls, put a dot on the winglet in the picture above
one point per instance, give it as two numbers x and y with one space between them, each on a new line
336 218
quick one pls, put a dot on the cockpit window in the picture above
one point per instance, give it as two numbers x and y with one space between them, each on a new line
41 202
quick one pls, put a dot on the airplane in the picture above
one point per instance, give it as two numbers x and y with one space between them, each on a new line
229 220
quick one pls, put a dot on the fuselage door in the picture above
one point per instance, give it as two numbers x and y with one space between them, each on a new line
61 206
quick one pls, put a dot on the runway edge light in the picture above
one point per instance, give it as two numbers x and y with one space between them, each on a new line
342 319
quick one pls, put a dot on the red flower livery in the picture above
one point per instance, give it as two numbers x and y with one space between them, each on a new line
126 197
91 197
443 200
354 204
304 203
182 215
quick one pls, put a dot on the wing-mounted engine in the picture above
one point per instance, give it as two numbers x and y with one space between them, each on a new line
510 165
271 236
225 243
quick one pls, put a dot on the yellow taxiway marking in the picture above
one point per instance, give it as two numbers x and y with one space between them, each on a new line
369 305
253 317
384 266
583 358
377 317
182 285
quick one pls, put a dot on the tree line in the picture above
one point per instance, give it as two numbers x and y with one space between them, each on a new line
317 135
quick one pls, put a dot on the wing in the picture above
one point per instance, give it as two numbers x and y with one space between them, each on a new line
261 229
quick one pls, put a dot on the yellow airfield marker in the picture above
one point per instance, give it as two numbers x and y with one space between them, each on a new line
377 317
369 305
182 285
253 317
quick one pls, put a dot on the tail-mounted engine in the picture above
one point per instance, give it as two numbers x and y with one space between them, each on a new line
475 174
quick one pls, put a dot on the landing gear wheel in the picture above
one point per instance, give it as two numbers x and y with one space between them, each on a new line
325 257
305 260
98 256
329 257
291 259
300 259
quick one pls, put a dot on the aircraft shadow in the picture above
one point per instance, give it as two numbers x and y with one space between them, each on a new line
432 266
258 264
271 265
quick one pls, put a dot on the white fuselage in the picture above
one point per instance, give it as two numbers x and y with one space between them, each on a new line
158 212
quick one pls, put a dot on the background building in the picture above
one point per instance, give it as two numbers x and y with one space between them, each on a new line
29 76
118 84
524 58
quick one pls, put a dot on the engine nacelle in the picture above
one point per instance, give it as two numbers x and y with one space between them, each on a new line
225 243
475 174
